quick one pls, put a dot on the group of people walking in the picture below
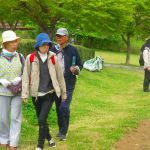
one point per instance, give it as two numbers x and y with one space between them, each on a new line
48 75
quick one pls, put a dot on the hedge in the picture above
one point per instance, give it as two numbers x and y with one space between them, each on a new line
27 47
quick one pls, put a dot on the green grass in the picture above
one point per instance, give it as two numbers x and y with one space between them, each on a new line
117 57
105 106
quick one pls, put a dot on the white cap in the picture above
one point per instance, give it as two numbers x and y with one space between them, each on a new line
62 31
9 35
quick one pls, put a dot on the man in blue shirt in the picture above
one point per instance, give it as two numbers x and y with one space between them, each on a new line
70 61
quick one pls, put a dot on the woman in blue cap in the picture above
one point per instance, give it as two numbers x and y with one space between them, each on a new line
43 80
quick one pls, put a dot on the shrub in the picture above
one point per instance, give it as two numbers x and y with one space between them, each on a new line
27 46
85 53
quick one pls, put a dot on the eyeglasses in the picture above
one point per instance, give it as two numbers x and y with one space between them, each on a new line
60 36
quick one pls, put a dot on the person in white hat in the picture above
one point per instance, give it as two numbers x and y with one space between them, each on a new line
11 66
70 61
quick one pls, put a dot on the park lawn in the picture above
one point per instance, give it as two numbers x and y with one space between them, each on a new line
105 106
117 57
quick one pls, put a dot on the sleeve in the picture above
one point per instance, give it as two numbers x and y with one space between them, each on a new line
26 78
78 61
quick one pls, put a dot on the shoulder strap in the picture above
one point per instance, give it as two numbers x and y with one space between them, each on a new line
53 60
21 59
32 56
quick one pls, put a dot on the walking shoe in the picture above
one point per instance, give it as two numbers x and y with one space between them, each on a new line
58 134
12 148
38 148
52 143
62 137
146 90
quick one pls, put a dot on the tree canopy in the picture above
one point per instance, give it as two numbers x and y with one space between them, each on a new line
87 18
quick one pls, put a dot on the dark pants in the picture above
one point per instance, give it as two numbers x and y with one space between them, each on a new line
42 106
63 112
146 80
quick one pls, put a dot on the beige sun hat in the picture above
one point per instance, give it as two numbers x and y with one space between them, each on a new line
9 35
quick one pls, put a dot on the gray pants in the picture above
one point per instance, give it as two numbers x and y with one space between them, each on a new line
10 119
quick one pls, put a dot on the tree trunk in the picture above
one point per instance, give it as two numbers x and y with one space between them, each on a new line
3 25
128 49
128 44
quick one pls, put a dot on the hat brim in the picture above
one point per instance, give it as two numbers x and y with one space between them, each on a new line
62 34
10 40
42 42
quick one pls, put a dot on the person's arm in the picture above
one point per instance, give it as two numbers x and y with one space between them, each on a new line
26 79
78 65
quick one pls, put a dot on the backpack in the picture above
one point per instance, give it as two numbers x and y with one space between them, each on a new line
32 56
141 59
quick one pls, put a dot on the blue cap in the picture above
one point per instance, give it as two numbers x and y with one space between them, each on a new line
41 39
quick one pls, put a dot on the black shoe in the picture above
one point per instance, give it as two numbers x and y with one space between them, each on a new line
62 137
146 90
51 143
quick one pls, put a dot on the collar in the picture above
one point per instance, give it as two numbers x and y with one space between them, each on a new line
7 53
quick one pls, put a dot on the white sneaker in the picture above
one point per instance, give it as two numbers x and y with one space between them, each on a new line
38 148
52 143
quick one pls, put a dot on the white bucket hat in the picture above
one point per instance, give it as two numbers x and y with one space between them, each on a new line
9 35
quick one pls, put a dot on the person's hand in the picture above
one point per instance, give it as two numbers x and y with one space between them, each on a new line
74 70
16 80
25 100
4 82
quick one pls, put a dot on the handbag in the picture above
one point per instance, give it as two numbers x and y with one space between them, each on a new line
15 89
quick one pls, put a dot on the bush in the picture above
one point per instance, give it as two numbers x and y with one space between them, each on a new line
27 46
85 53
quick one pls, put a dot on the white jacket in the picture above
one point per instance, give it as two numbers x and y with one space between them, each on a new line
146 57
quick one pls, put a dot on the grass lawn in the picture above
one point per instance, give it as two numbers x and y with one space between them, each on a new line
105 106
117 58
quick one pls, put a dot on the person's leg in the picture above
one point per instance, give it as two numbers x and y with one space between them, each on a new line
64 111
57 104
15 127
4 119
46 103
146 81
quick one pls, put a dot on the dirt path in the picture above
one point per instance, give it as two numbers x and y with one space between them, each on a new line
138 139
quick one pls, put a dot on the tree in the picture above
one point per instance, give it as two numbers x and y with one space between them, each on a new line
8 14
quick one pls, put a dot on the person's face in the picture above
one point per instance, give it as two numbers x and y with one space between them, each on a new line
11 46
61 39
44 48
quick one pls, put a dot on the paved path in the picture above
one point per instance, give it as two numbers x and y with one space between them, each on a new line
124 66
